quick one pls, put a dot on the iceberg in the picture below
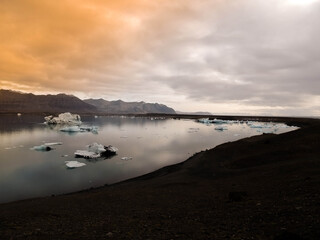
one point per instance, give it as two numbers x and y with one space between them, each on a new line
96 150
256 125
204 120
46 146
74 164
64 118
111 149
42 148
92 129
126 158
53 144
221 128
86 154
220 121
72 129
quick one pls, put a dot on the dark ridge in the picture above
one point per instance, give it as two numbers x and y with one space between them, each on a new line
12 102
121 107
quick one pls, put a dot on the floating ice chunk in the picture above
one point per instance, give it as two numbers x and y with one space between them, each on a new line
126 158
92 129
66 155
221 128
282 125
220 121
42 148
204 120
86 154
256 125
74 164
96 150
52 144
64 118
71 129
111 149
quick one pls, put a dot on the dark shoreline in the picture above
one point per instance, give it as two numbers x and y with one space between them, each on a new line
261 187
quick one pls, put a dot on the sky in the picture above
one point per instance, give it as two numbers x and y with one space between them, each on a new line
251 57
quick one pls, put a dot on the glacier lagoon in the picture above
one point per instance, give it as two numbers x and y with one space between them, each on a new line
145 145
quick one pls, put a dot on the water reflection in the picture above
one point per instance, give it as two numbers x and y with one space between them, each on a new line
14 123
26 173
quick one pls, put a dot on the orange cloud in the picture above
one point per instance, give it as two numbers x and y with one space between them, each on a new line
64 46
44 43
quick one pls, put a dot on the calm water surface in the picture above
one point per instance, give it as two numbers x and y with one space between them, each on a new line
152 144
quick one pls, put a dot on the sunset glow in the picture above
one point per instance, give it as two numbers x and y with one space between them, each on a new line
255 57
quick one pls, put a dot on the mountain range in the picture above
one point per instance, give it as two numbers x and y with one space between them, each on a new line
121 107
13 101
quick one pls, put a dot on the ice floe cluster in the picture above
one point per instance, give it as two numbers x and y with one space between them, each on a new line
71 123
222 125
93 151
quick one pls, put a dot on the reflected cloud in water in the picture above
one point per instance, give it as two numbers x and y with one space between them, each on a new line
151 144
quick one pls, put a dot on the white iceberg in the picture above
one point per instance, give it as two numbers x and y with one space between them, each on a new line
86 154
74 164
126 158
96 150
64 118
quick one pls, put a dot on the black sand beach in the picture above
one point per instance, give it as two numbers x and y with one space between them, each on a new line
263 187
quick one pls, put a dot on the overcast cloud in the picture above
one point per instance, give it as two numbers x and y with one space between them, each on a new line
235 56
